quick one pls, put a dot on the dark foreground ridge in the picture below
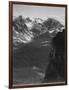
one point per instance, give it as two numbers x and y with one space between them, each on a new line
56 66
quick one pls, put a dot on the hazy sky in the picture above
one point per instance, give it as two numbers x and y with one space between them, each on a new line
38 11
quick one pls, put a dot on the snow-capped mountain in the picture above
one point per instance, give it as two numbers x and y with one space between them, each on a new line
26 29
31 22
38 20
29 25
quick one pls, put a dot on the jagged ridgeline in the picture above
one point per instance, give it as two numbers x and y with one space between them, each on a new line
26 30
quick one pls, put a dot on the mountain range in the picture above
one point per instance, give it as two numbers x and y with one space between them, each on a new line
26 30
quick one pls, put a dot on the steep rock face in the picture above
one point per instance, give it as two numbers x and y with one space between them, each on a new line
55 69
21 33
53 25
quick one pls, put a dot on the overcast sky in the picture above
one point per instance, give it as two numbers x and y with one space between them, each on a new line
38 11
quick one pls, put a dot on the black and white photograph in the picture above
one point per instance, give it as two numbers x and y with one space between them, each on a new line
39 44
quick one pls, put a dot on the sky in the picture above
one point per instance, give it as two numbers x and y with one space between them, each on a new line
39 11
